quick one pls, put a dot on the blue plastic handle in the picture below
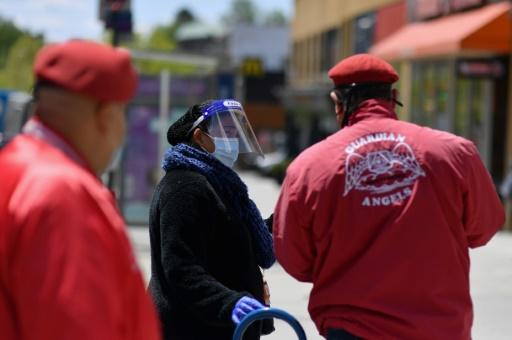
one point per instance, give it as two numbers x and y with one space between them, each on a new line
268 313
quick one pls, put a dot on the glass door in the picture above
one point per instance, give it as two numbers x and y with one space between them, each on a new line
473 117
430 94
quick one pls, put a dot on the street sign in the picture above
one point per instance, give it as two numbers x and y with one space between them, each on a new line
252 67
481 68
116 15
106 6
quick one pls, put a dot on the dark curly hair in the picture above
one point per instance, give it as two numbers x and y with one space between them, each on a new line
179 131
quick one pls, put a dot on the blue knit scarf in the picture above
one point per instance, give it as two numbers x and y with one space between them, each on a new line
231 190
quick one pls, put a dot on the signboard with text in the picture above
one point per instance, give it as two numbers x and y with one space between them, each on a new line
252 67
481 68
457 5
426 9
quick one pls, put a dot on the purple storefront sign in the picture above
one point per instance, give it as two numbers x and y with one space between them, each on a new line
141 165
140 162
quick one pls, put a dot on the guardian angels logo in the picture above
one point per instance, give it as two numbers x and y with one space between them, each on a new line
384 165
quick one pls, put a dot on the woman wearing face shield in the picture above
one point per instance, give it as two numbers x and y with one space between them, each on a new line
208 239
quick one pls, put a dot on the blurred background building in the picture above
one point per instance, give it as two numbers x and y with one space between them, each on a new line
453 57
323 32
241 57
243 61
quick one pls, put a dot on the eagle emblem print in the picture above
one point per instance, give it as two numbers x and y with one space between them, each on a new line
383 165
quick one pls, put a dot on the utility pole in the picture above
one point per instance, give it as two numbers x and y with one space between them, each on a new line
117 17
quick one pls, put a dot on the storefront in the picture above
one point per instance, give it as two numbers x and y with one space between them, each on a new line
310 115
147 125
458 79
467 97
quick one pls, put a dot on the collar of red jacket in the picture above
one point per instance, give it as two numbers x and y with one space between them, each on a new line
37 129
372 108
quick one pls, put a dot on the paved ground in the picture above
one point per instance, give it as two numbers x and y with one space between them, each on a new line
491 277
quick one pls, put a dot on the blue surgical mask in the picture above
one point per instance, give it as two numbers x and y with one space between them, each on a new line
226 150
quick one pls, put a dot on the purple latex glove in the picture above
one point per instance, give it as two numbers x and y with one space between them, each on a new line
243 307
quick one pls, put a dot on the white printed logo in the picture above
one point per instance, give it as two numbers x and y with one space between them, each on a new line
380 163
232 104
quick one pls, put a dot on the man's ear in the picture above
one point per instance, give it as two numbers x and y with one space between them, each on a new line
340 114
395 95
103 113
339 108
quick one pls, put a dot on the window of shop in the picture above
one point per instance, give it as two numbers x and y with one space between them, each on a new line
294 67
458 5
364 31
430 94
472 115
462 104
330 46
420 10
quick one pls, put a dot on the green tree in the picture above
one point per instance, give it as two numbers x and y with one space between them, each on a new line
10 33
241 12
276 18
163 39
184 16
17 71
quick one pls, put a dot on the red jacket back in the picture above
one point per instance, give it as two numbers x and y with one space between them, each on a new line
67 270
379 217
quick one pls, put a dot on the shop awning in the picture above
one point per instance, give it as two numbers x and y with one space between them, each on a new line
486 29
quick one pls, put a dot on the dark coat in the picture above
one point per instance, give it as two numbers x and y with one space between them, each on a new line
202 260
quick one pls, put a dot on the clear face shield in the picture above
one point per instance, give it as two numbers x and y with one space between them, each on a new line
229 127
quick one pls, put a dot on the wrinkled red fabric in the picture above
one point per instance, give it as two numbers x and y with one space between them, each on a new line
67 270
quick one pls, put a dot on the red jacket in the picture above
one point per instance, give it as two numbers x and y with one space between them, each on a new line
379 217
67 270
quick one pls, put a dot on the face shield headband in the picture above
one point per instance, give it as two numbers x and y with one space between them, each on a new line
228 125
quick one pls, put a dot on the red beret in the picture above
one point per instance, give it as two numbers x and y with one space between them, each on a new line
362 68
95 70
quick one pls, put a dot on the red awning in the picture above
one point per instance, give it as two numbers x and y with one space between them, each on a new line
486 29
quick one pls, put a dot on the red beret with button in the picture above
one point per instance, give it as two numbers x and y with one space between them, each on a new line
95 70
362 68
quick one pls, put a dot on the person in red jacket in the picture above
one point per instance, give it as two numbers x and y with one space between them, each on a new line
379 217
67 270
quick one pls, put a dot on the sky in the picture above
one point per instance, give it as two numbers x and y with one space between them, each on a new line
60 20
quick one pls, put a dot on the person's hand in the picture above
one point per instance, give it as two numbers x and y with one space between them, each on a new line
243 307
